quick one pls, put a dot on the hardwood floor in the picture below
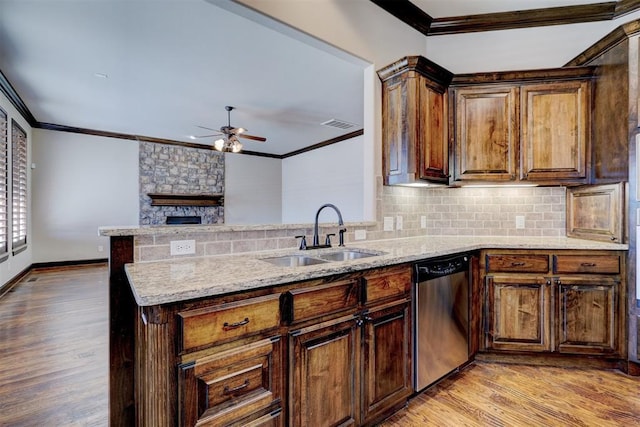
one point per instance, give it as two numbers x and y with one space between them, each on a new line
54 348
53 370
488 394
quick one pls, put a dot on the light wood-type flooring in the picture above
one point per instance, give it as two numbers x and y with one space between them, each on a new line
53 370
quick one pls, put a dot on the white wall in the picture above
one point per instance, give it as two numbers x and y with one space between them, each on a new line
16 264
332 174
253 190
359 28
80 182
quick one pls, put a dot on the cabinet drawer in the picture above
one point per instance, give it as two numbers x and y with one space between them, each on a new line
316 301
600 264
211 325
517 263
388 284
230 385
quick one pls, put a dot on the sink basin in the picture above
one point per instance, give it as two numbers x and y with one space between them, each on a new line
293 260
346 255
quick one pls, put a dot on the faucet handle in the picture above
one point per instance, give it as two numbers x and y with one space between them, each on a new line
341 232
328 239
303 242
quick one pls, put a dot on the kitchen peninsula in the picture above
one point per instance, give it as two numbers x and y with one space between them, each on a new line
233 338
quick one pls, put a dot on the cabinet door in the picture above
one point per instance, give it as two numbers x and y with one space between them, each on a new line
432 145
517 313
555 131
486 133
415 144
324 374
587 315
387 357
596 212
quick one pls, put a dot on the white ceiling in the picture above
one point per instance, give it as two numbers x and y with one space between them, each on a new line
173 65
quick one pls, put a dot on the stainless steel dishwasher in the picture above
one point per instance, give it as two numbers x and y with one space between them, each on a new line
441 329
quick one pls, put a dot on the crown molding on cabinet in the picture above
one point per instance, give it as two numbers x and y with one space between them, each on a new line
609 41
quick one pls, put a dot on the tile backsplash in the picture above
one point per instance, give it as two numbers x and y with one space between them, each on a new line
442 211
490 211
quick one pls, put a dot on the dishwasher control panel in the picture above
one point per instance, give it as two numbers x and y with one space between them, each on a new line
442 267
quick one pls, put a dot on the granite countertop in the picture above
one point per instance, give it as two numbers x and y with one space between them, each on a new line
145 230
162 282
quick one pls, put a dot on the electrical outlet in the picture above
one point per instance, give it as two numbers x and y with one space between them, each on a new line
388 223
519 221
360 235
183 247
398 222
423 221
100 248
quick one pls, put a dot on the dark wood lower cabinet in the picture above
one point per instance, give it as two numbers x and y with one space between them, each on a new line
386 360
587 310
227 386
575 307
324 374
517 313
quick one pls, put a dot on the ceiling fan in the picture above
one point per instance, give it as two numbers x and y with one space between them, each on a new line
229 141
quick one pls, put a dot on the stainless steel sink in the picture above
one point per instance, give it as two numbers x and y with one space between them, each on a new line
293 260
347 254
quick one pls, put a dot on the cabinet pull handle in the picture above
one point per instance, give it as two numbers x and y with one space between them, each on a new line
228 390
517 264
588 264
227 326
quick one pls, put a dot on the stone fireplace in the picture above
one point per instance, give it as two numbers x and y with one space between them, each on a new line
179 172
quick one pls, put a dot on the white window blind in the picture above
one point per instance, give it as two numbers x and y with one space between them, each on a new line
18 186
4 186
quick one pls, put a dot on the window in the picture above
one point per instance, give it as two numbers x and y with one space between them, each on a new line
4 187
18 188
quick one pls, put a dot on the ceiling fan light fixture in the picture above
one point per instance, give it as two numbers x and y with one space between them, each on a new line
228 145
219 144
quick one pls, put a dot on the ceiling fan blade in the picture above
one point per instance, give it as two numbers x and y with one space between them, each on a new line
203 136
255 138
237 131
215 130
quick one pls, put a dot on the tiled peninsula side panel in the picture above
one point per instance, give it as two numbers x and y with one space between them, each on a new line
170 169
447 212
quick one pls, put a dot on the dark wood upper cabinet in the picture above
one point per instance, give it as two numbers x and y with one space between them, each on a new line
414 127
555 131
486 133
522 126
596 212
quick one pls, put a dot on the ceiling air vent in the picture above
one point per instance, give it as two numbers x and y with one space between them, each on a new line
340 124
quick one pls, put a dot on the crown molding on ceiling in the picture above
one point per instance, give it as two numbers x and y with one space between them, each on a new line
507 20
23 110
324 143
408 13
15 100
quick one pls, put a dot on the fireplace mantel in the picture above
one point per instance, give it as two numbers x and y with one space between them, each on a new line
158 199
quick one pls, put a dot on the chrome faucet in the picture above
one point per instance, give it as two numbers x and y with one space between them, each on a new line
316 238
